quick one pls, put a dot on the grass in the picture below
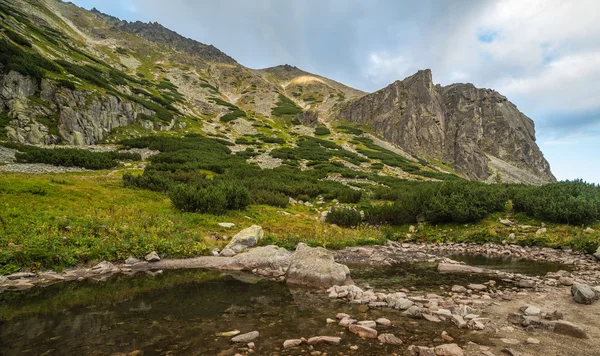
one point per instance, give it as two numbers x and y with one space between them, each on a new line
60 220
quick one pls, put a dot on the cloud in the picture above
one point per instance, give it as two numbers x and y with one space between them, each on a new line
383 66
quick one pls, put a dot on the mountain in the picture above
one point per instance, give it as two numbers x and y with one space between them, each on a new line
77 77
477 131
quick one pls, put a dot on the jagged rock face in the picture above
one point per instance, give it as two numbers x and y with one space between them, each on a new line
155 32
78 117
308 118
460 125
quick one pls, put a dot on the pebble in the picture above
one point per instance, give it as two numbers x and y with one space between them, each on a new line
291 343
533 341
245 338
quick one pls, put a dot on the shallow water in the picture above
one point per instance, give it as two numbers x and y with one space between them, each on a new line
179 312
505 264
411 276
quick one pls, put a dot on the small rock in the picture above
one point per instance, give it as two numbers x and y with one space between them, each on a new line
228 333
20 275
383 322
566 281
510 352
533 341
342 316
530 310
152 257
291 343
131 260
447 337
510 341
541 231
368 323
413 312
245 338
251 346
363 331
226 225
458 321
459 289
389 339
448 350
347 322
526 283
477 287
506 222
330 321
332 340
227 252
216 252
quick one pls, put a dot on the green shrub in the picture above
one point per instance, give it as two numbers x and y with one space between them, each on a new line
17 38
346 217
322 130
571 202
66 157
285 107
215 199
13 57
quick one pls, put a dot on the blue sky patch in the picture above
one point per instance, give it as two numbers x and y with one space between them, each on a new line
487 36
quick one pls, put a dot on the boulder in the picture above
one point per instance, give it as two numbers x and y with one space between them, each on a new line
363 331
597 254
152 257
389 339
448 350
246 238
315 267
583 294
246 338
566 328
269 260
413 312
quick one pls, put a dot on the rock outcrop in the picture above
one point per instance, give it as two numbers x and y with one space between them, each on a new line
315 267
477 131
46 113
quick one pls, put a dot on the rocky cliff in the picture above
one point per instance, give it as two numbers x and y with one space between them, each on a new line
477 131
46 113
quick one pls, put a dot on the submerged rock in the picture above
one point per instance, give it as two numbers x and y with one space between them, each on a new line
315 267
246 238
332 340
389 339
245 338
456 268
363 331
291 343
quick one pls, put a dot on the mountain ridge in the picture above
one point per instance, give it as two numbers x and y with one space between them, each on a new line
157 80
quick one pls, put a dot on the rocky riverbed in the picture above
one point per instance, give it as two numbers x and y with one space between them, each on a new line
464 310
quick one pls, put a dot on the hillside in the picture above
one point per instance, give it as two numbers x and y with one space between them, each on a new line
77 77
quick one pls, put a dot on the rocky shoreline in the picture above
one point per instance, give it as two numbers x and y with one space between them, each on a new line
496 309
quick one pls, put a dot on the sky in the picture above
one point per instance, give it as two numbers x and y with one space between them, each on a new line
543 55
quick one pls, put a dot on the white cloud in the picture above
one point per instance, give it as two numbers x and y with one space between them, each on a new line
383 66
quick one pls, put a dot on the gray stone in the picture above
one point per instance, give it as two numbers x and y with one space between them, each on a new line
458 321
389 339
399 303
269 260
451 134
316 267
413 312
18 275
566 328
245 338
597 253
583 294
227 252
526 283
421 351
477 287
131 260
541 231
506 222
532 341
530 310
226 225
152 257
246 238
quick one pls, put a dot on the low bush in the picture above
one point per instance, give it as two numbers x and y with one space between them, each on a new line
571 202
346 217
13 57
214 199
322 131
285 107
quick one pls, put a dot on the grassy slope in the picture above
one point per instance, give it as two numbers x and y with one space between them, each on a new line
59 220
